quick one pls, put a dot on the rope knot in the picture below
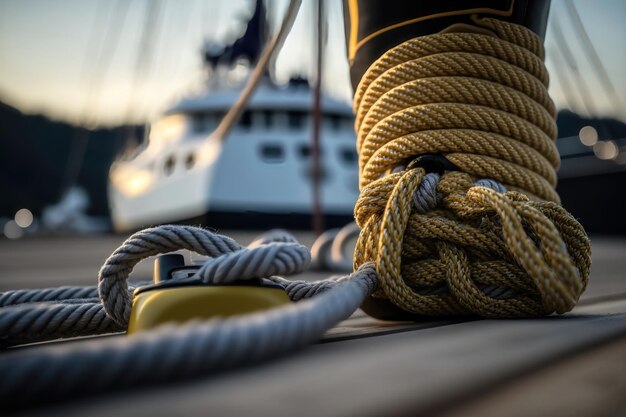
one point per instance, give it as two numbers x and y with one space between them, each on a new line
449 245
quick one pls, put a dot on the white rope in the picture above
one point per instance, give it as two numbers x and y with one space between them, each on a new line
112 278
36 315
169 352
46 321
10 298
330 250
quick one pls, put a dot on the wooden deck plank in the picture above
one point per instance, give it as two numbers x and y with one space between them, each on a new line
356 328
590 384
359 325
401 374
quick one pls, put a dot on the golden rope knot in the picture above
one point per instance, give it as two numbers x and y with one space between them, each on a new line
479 252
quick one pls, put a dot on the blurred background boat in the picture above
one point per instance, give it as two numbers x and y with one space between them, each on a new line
260 174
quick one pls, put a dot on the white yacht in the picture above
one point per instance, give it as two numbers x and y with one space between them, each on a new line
260 175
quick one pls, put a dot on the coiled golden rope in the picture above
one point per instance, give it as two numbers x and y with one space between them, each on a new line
481 101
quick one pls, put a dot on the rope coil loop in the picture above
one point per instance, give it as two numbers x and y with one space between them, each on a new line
490 239
272 255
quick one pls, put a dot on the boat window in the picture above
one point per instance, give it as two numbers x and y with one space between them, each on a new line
295 119
190 160
268 119
218 118
332 121
246 120
280 120
349 156
258 120
304 151
205 122
198 122
168 167
272 152
337 122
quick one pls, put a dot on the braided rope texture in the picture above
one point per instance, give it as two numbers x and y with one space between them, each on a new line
16 297
41 322
175 352
172 352
268 256
28 316
481 101
35 315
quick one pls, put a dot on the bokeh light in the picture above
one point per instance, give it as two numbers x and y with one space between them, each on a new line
12 230
24 218
588 135
606 150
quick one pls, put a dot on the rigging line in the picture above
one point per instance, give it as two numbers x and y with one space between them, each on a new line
160 34
208 12
563 80
587 98
318 219
108 46
178 67
79 138
593 57
307 26
210 30
144 55
173 29
95 42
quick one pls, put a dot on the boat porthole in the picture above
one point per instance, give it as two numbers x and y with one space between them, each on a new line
170 162
190 161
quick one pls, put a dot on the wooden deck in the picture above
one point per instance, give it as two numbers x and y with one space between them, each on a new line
569 365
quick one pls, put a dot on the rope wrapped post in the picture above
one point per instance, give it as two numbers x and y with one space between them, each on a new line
490 238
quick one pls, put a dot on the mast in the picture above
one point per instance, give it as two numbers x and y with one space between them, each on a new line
318 220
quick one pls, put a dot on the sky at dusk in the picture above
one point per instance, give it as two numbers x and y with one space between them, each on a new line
76 60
